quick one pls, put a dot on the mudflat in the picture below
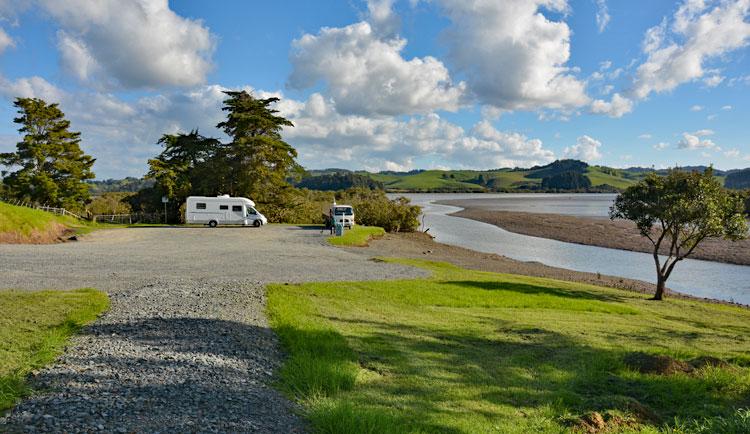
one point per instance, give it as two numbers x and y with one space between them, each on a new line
597 231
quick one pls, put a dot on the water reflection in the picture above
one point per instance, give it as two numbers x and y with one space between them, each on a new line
700 278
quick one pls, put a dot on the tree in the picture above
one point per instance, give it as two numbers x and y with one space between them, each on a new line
677 212
189 164
259 159
569 180
51 167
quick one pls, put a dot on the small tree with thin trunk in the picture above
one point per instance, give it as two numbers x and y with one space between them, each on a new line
677 212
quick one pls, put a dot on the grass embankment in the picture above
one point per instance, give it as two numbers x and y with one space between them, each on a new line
25 225
358 236
35 327
469 351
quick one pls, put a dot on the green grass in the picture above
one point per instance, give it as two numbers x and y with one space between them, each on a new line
35 327
475 352
598 178
358 236
26 220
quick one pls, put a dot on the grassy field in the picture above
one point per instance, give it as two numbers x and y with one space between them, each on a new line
34 329
26 221
475 352
358 236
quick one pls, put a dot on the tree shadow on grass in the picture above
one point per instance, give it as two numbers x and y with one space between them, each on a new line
523 288
522 368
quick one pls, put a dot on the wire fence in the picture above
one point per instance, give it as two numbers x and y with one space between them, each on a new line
133 218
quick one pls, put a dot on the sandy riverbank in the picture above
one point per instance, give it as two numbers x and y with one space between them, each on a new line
422 246
595 231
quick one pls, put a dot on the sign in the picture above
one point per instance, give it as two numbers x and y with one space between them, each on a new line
164 199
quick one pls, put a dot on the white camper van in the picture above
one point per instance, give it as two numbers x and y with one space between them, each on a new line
341 214
223 210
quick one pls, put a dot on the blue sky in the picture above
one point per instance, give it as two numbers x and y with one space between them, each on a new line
398 85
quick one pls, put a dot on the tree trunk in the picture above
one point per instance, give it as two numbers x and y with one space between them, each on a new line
660 284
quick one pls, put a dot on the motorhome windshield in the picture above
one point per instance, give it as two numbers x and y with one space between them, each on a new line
251 211
343 210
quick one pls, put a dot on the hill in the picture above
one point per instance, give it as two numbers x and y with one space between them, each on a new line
25 225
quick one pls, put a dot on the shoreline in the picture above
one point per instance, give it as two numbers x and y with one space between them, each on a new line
595 231
423 246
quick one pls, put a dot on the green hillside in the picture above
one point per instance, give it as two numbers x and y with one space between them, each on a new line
21 224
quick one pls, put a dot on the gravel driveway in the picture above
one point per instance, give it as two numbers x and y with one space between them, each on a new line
185 346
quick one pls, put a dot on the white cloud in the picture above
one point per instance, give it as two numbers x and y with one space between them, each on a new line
713 80
5 41
30 87
711 117
586 148
135 44
726 107
616 108
377 143
696 108
366 73
382 18
512 55
732 153
695 141
602 15
700 30
645 136
661 146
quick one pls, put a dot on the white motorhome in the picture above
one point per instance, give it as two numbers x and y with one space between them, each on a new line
222 210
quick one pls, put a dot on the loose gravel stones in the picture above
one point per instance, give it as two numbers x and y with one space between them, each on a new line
186 345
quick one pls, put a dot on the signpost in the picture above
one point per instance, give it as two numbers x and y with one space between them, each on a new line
164 200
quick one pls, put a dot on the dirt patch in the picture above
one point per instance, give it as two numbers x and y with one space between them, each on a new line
706 361
595 423
656 364
54 233
602 232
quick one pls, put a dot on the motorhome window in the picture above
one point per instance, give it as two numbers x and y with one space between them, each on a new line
343 211
200 205
237 208
223 206
251 211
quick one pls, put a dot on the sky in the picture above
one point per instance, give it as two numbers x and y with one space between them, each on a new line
394 84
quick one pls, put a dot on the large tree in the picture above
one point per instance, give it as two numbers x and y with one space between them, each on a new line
50 166
260 161
677 212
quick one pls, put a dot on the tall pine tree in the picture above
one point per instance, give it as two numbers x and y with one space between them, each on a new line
260 161
50 166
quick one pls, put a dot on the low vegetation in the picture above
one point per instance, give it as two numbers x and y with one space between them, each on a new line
35 327
469 351
358 236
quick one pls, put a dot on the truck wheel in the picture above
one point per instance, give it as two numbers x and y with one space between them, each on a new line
256 223
212 223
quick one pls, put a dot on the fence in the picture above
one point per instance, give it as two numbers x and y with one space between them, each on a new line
52 209
129 218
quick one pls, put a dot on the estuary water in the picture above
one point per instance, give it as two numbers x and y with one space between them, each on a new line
695 277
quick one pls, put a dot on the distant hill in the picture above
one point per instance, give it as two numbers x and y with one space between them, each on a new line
561 175
129 185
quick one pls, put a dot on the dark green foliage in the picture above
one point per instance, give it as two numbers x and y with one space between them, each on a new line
373 208
566 181
129 185
557 167
259 160
678 211
738 180
50 166
339 181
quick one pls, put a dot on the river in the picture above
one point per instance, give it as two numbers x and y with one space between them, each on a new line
695 277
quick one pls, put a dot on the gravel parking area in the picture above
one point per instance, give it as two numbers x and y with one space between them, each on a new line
185 346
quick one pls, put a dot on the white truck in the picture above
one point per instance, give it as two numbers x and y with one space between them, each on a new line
222 210
340 214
